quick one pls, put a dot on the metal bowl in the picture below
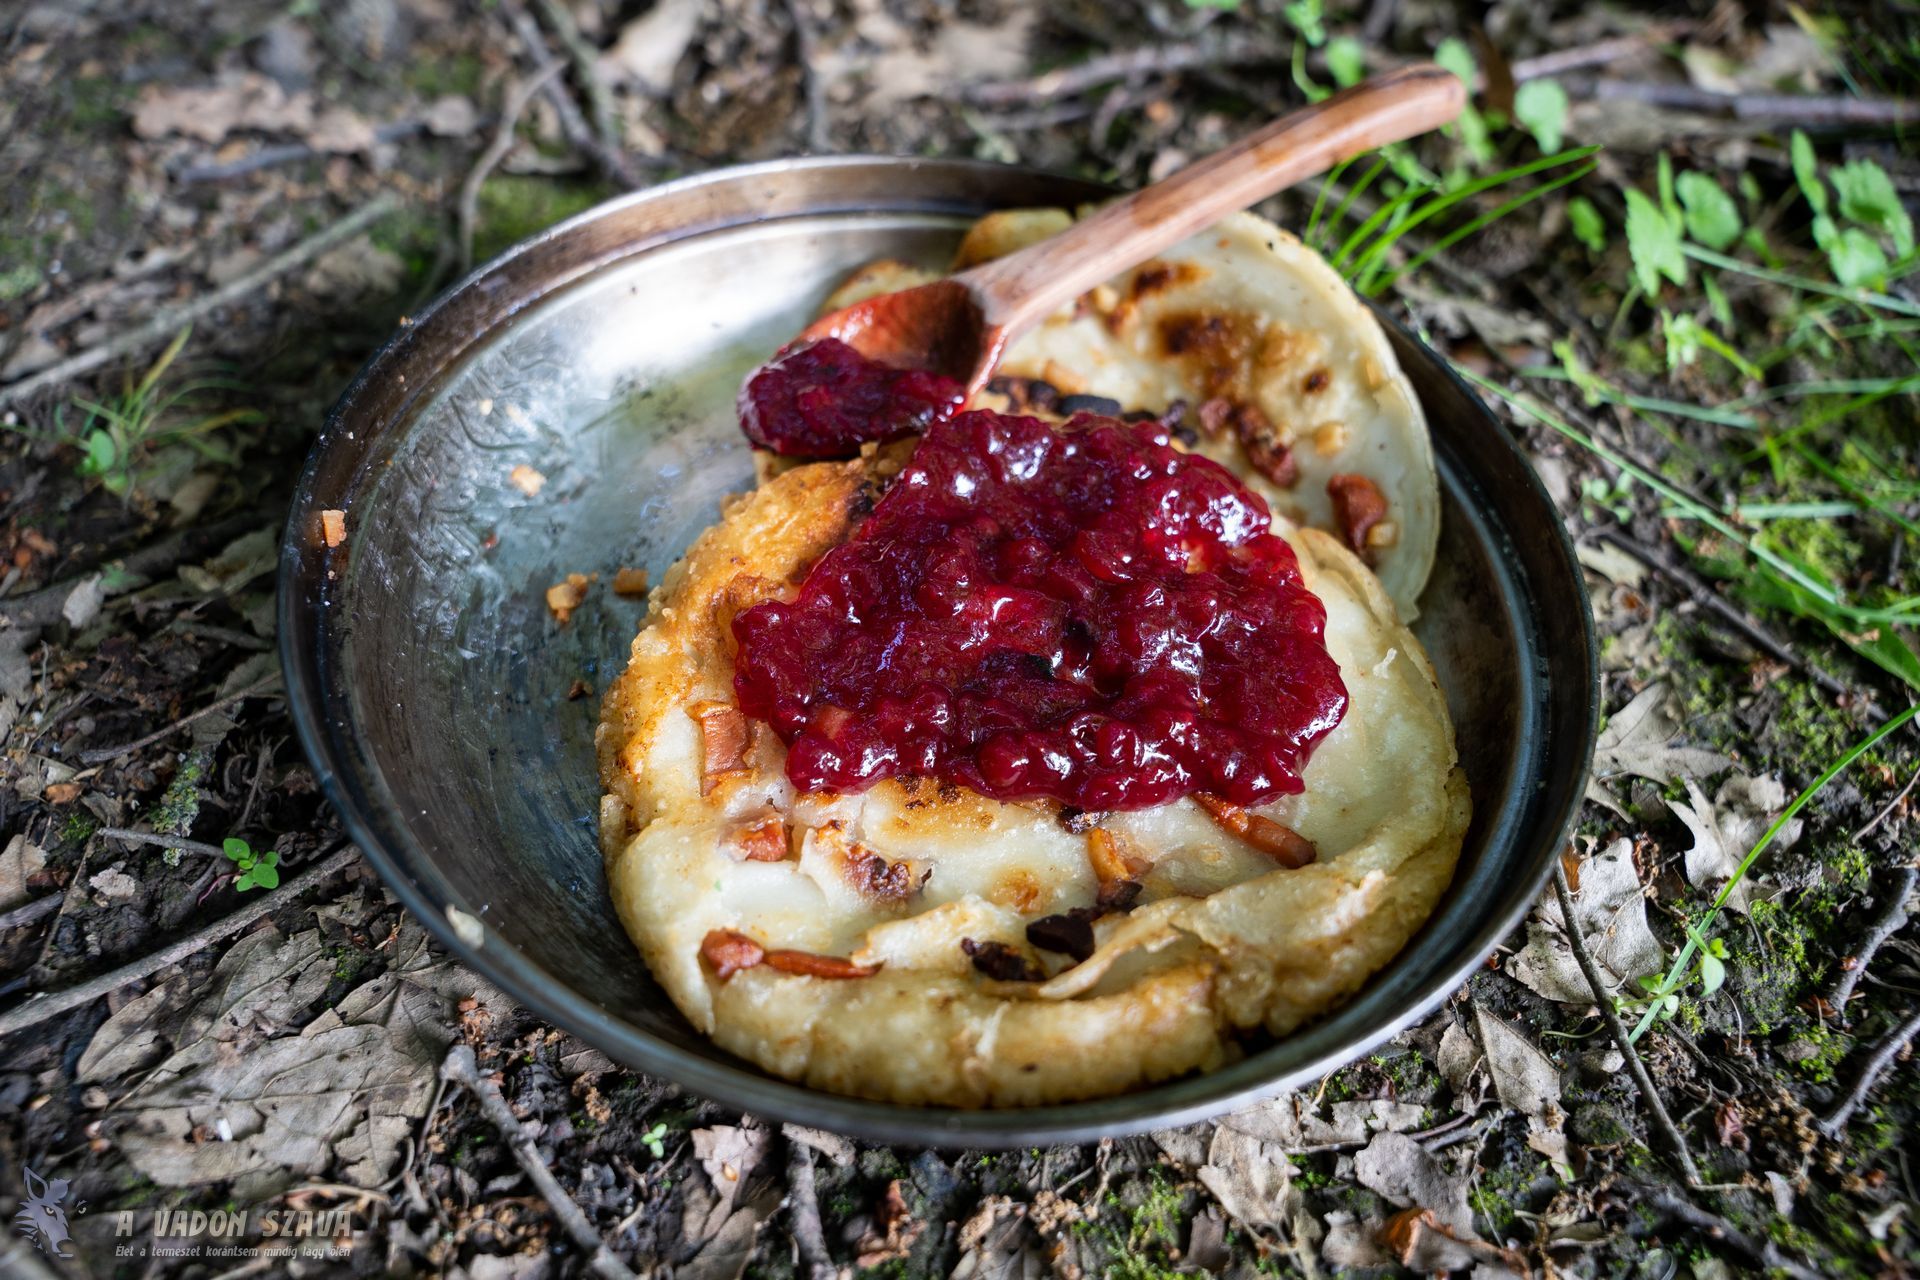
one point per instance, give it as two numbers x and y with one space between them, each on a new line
438 701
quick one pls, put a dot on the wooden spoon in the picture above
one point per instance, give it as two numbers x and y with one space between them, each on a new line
959 326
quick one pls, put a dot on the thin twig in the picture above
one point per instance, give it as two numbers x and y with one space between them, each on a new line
1886 810
614 161
1889 920
1806 110
39 1008
29 912
269 156
42 607
101 755
1763 1251
804 1203
510 112
1750 627
1656 1109
461 1069
1834 1123
806 50
164 842
1153 59
583 56
1597 54
164 324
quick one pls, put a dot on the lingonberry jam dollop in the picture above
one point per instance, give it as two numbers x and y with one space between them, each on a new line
1085 614
823 399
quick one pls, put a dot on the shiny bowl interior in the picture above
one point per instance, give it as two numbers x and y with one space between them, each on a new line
431 687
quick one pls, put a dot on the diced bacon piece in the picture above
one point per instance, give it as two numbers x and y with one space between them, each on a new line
727 952
1358 505
724 738
817 966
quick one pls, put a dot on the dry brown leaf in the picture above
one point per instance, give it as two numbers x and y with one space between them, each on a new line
1611 914
1252 1180
1526 1081
1641 739
242 101
1727 826
730 1154
20 862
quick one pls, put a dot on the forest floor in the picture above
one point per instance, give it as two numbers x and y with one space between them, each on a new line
1705 339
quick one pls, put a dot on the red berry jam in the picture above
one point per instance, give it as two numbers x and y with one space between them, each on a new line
824 400
1085 614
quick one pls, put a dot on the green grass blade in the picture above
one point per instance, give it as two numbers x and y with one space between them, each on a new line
1454 237
1677 973
1440 204
1860 297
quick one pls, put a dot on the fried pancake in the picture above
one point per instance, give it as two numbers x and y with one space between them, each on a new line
911 882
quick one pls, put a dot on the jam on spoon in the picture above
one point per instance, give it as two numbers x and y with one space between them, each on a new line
1085 614
823 399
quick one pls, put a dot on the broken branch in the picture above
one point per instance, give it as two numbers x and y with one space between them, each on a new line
1889 920
461 1069
165 324
39 1008
1656 1109
1834 1123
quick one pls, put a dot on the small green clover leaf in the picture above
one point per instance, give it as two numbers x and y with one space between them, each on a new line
253 870
1712 217
1541 108
654 1140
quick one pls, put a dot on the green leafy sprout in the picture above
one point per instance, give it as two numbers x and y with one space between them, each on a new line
655 1140
252 870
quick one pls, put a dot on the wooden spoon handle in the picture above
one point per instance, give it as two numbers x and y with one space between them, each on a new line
1022 288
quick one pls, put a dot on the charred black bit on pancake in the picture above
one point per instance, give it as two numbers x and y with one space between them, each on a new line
1001 962
1070 933
1090 404
1026 395
1117 895
877 878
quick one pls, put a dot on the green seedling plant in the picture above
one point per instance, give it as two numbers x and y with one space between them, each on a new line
252 870
655 1140
120 437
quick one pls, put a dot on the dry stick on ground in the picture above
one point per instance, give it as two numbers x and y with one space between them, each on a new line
612 158
1656 1109
583 56
1886 810
1811 111
285 153
1763 1251
40 1008
461 1069
164 842
1834 1123
804 1203
1749 627
165 324
27 913
41 608
806 50
101 755
1891 918
510 111
1153 59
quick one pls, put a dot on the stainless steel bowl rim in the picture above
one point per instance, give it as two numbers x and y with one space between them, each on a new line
557 1001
